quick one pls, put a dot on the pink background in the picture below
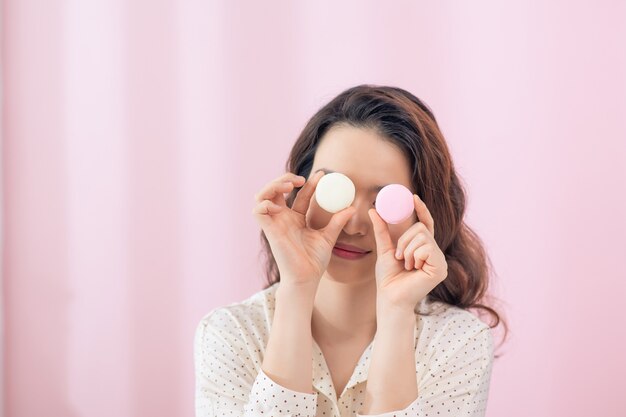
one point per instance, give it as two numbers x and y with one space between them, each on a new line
135 134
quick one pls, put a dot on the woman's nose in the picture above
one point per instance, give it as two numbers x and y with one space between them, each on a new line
359 222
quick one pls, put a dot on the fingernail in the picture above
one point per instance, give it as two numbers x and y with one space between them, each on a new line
397 253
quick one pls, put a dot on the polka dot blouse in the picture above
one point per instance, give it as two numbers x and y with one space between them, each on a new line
453 357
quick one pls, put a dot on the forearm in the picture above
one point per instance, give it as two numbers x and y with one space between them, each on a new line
289 349
391 383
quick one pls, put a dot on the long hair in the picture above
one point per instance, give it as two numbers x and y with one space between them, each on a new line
404 120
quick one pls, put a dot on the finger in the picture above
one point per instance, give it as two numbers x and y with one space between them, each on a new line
266 207
271 191
381 233
289 176
419 240
303 198
275 191
336 224
286 177
423 214
421 255
407 237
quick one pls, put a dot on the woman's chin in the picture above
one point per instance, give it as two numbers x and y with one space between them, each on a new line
339 271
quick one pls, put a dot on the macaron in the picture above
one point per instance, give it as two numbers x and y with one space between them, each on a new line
334 192
394 203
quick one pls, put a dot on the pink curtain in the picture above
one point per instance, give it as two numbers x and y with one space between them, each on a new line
135 134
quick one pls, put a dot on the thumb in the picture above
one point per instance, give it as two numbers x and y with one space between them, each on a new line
381 233
336 224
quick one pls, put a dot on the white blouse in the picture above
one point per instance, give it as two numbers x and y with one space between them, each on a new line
453 358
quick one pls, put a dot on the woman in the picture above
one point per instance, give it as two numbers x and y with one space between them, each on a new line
359 317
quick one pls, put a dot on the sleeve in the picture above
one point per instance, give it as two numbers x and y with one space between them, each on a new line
458 385
227 383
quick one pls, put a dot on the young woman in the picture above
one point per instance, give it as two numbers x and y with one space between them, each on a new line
359 317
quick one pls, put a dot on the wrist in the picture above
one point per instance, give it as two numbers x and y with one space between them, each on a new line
300 292
387 315
389 308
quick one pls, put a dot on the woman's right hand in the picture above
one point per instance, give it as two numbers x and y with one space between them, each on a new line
302 254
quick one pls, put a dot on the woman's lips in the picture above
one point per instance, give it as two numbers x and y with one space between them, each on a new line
351 248
346 254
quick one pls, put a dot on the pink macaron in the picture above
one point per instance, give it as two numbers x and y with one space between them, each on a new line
394 203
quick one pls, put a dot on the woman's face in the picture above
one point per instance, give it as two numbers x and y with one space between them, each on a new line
371 163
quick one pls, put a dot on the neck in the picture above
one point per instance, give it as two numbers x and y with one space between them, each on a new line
344 312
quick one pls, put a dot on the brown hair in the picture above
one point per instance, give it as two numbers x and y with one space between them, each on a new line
403 119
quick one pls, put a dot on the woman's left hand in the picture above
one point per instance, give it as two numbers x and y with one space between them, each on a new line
404 280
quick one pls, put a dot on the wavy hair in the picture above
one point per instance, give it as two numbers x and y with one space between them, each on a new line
406 121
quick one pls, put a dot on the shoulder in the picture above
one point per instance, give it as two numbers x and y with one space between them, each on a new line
247 320
449 331
454 358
